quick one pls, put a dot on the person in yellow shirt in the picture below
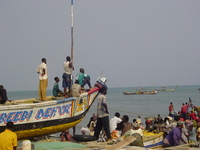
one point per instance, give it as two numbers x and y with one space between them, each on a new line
8 139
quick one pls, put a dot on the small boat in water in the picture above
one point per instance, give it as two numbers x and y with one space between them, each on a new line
140 93
164 89
34 118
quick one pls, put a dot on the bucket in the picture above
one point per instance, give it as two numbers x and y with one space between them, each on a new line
26 145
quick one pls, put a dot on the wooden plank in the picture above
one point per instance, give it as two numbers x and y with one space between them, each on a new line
123 143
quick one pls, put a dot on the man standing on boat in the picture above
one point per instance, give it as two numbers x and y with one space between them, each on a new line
42 71
102 115
67 76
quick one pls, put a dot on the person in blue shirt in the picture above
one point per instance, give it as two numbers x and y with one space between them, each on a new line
172 139
56 91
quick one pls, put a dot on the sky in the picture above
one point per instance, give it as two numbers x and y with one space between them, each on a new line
134 42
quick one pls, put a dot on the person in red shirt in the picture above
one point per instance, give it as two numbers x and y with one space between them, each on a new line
184 110
171 108
193 116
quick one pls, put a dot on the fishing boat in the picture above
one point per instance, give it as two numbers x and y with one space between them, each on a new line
169 90
140 93
153 141
150 141
33 118
164 89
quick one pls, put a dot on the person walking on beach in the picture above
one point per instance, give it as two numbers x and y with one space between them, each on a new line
8 139
102 115
67 76
43 83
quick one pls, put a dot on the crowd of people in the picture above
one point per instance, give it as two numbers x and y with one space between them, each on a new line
178 128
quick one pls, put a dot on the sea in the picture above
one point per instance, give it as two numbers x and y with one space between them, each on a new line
132 105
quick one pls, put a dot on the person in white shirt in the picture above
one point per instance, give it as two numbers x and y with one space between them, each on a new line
67 77
138 119
42 71
114 121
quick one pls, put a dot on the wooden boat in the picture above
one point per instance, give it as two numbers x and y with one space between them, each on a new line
32 118
150 140
164 89
154 141
140 93
169 90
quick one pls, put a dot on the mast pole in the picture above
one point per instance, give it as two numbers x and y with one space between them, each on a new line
72 26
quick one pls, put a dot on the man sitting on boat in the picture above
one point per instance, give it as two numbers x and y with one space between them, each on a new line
76 89
56 91
83 78
3 95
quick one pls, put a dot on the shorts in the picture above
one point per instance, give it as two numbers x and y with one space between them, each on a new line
66 80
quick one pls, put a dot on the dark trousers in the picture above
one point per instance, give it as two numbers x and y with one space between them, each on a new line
86 81
102 123
184 115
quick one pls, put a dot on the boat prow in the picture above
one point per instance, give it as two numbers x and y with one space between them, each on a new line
140 93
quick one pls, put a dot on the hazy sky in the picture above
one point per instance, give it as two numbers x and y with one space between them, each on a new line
135 42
